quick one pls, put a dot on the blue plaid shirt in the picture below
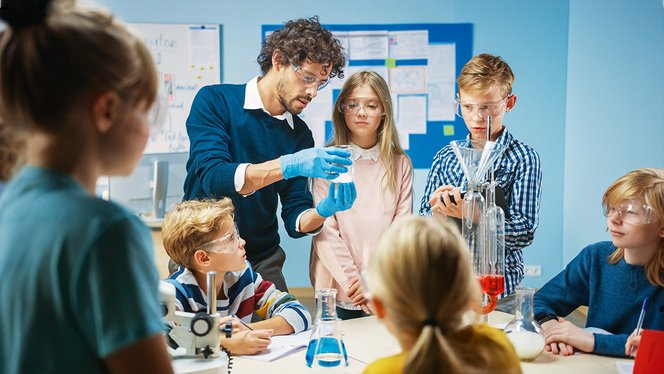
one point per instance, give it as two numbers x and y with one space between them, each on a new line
519 173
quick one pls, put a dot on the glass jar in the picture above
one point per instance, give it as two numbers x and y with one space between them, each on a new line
523 331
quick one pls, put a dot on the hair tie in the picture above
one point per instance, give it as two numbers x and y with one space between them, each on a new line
21 15
430 322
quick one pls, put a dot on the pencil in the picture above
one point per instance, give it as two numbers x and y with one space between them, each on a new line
242 322
639 324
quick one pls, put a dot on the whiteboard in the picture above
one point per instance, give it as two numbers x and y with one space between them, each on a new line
188 58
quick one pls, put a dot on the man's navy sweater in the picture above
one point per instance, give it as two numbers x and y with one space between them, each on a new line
223 135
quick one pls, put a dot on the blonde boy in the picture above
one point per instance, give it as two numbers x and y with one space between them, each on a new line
485 89
202 237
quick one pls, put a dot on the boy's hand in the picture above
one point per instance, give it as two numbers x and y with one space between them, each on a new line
632 343
565 332
441 203
248 342
237 325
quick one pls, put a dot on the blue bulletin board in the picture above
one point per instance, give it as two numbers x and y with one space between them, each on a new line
420 63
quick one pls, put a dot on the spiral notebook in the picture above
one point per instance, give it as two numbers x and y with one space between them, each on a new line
283 345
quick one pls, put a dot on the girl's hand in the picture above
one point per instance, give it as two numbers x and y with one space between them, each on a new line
569 335
357 296
355 292
248 342
632 343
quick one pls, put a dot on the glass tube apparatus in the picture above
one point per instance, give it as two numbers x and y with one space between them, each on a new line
483 223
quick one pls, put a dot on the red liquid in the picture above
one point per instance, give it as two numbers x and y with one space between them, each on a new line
492 285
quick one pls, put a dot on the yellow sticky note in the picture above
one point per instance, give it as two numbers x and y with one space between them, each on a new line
448 130
391 62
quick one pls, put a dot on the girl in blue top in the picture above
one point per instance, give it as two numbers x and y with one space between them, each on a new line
612 278
80 289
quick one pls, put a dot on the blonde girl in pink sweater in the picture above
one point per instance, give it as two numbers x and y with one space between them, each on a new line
383 175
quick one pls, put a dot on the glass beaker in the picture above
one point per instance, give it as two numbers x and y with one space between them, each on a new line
326 350
348 176
523 331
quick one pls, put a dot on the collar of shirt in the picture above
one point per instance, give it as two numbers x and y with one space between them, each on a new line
366 154
252 100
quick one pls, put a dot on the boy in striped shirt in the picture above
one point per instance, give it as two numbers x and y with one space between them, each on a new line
201 236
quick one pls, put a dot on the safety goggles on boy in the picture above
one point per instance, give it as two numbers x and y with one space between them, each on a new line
371 107
309 79
468 109
229 243
631 211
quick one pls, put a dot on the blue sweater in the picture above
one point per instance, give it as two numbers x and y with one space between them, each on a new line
613 293
223 134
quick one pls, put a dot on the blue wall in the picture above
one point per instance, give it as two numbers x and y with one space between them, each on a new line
582 88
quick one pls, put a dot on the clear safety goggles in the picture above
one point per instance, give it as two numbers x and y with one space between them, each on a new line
372 108
632 212
309 79
468 109
229 243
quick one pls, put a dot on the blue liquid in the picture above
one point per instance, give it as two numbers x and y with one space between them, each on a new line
328 345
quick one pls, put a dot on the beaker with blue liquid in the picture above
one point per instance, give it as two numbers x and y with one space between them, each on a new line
326 351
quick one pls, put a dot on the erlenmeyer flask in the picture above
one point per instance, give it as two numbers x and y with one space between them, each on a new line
326 349
523 331
329 353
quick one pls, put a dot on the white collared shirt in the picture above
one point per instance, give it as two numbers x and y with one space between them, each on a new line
372 153
252 100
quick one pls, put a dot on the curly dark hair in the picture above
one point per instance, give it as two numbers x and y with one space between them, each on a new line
304 40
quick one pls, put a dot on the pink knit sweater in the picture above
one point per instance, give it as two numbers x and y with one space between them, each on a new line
344 246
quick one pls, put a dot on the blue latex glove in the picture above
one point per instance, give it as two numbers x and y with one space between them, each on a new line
325 163
338 199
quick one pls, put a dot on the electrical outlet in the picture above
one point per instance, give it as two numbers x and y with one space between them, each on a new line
532 270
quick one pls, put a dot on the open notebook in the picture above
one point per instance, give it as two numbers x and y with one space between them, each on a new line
283 345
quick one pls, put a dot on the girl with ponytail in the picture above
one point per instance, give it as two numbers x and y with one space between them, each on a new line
421 284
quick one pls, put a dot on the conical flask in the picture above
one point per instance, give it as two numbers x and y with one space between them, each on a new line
523 331
326 351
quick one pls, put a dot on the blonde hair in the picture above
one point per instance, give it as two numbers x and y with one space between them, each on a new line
193 223
387 131
486 73
646 185
51 67
422 274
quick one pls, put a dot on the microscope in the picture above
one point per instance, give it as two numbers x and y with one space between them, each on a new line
197 333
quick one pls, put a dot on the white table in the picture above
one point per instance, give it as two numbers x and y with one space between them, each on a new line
367 339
